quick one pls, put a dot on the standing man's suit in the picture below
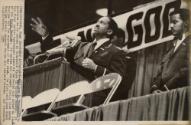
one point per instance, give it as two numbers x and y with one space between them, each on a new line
174 70
108 58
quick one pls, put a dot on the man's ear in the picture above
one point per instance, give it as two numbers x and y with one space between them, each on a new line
109 32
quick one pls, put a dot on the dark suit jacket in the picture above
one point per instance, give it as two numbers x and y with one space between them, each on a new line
108 58
48 43
174 70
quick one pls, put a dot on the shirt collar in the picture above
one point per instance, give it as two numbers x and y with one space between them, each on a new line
100 42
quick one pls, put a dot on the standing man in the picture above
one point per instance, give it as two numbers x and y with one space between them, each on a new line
92 59
174 72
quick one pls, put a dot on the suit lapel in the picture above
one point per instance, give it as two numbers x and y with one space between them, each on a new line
82 51
180 48
182 45
102 48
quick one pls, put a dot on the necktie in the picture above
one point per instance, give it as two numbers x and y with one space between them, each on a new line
91 49
175 47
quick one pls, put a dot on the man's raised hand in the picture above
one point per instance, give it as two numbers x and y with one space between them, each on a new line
39 27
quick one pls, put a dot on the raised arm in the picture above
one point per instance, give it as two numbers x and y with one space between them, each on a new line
39 27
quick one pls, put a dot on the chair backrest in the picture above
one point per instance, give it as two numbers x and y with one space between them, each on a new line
40 58
26 102
45 97
75 89
81 88
111 80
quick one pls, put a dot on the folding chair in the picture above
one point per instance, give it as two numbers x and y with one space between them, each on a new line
40 58
43 58
71 98
37 110
111 80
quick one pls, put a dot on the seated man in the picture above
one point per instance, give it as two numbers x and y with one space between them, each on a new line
174 72
91 59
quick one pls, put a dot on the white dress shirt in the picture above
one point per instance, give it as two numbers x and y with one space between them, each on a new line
100 42
179 42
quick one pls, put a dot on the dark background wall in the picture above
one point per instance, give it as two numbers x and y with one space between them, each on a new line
63 15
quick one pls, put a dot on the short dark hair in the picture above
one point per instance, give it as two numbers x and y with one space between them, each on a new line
184 15
112 25
120 33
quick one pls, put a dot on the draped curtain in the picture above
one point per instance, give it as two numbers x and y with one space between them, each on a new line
148 63
173 105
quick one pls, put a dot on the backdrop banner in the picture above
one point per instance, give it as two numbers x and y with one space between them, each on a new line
145 26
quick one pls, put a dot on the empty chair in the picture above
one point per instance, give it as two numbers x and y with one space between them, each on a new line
73 90
45 97
110 81
26 102
37 110
71 98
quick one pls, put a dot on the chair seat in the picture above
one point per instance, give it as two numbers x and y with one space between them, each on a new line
70 108
38 116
